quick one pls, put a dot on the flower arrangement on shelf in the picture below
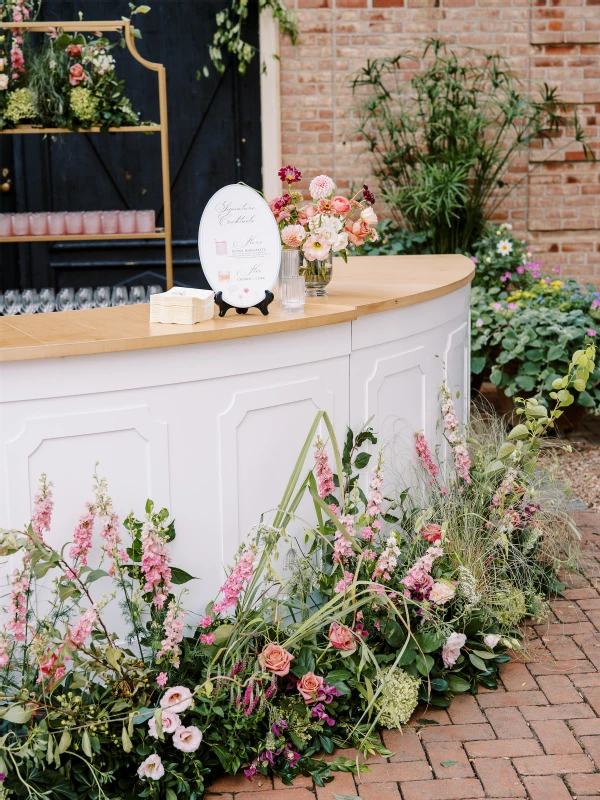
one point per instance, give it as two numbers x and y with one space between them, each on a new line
70 82
393 595
328 224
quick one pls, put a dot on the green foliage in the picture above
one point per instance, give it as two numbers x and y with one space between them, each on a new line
444 139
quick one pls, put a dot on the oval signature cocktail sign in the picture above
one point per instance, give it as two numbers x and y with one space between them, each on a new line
239 245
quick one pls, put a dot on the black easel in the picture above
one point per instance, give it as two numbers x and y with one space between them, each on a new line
263 306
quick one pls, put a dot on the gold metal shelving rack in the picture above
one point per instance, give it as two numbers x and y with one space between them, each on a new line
162 128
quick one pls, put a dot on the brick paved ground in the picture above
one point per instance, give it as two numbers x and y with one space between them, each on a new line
537 737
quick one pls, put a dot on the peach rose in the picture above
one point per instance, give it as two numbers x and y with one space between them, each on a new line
340 204
432 533
77 75
341 637
275 659
309 211
357 231
310 687
73 50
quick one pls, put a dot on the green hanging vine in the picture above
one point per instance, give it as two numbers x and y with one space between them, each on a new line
229 37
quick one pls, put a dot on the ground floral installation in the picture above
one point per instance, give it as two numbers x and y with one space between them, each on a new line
328 224
392 597
69 82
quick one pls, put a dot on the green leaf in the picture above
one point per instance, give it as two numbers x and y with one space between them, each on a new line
65 742
338 675
179 576
586 399
429 642
170 794
95 575
448 763
555 352
86 745
424 664
17 714
495 466
223 634
439 684
477 364
126 741
458 684
361 460
518 432
526 382
477 662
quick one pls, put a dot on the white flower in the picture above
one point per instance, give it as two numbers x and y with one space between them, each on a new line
151 768
451 648
369 216
340 243
506 226
170 723
3 82
327 227
187 739
504 247
491 640
321 187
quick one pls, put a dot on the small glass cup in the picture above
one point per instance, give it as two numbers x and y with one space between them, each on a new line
145 221
84 298
47 301
293 294
5 224
119 296
155 290
38 224
137 294
74 223
12 302
65 300
126 221
20 224
102 297
56 223
30 301
110 221
92 222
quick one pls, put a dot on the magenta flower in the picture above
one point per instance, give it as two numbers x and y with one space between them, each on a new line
591 332
289 174
368 195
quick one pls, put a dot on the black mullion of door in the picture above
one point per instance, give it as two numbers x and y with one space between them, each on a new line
214 139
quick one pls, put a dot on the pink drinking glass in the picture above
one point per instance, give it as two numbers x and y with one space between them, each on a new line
56 223
145 221
38 224
74 222
91 222
126 221
5 225
110 221
20 224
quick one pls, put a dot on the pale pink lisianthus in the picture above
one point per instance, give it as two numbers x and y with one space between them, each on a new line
187 739
293 235
316 248
321 187
491 640
451 648
340 204
441 593
170 723
151 768
177 699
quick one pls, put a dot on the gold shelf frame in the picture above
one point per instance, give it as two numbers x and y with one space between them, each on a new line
161 128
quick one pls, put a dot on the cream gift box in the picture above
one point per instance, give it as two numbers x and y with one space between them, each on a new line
182 306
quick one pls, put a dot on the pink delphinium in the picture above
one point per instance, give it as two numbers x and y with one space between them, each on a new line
462 461
18 605
424 454
324 475
42 508
82 628
207 638
388 560
342 585
235 583
316 248
293 235
82 536
161 679
173 634
155 564
375 489
109 528
342 546
205 622
321 187
4 646
418 581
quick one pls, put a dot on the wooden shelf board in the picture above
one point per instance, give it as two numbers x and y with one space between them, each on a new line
83 237
123 129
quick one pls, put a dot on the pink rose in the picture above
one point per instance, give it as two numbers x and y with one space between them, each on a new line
73 50
187 739
341 637
418 581
340 204
275 659
357 231
77 75
309 211
310 687
432 533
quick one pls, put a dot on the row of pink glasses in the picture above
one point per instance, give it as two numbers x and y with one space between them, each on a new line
73 223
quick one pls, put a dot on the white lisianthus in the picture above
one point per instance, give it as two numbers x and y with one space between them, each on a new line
152 768
341 243
369 216
491 640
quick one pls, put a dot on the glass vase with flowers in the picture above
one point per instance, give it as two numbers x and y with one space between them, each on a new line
329 223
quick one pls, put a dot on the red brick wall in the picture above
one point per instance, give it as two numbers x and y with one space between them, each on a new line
555 41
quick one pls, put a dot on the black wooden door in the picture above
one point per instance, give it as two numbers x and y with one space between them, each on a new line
214 139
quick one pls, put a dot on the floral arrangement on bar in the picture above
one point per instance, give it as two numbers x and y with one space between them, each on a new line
70 82
328 224
394 595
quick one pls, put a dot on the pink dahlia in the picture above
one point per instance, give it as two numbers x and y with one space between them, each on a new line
321 187
293 235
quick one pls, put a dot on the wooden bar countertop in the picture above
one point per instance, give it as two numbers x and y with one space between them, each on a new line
366 285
